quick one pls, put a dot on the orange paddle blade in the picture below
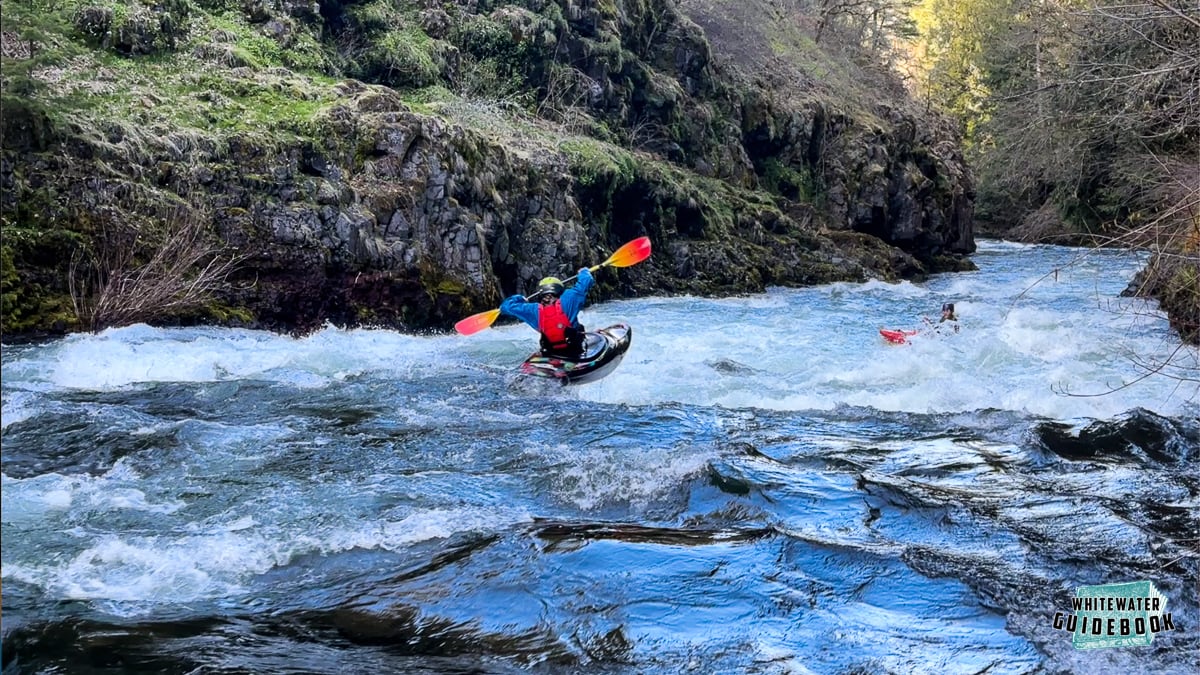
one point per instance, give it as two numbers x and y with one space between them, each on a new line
630 254
477 322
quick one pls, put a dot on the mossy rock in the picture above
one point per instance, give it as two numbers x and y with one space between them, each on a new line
1180 299
27 305
25 124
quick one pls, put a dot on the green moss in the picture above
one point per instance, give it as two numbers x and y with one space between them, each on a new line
226 314
438 285
96 85
219 6
375 16
400 58
450 287
483 38
1181 300
607 51
28 303
364 314
10 285
553 14
786 181
608 8
506 55
255 49
593 162
26 122
269 106
306 54
428 100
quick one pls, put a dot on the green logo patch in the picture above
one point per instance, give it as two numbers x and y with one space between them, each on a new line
1115 615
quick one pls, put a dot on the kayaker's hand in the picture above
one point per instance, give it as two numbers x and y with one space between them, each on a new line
516 297
585 269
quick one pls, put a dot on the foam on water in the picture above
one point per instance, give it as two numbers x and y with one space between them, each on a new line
120 357
17 406
33 499
190 560
1025 340
598 476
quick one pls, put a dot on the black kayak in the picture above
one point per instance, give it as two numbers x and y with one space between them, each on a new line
602 353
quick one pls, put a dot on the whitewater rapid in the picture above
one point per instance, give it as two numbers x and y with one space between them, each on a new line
762 477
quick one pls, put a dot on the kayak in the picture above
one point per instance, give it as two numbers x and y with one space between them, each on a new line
897 337
602 353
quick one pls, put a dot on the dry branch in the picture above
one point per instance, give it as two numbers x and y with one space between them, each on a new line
130 276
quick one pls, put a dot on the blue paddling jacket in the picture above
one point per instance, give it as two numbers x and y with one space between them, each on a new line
571 301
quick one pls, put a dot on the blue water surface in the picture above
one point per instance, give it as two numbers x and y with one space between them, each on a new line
764 485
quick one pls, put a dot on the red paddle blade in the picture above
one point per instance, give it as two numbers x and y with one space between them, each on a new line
630 254
477 322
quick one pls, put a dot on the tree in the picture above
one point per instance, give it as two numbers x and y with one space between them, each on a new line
1083 116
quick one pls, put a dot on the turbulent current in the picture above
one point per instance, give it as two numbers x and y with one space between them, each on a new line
764 485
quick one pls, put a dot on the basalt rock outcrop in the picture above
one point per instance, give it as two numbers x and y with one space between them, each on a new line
336 155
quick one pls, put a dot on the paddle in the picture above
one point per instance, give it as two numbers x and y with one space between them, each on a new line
630 254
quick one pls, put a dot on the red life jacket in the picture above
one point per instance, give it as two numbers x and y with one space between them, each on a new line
554 324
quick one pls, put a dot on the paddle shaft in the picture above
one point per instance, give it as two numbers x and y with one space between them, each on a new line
631 253
567 280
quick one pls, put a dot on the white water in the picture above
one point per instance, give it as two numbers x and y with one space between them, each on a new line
196 466
1055 341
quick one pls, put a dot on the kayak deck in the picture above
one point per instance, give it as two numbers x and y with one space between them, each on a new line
897 336
603 351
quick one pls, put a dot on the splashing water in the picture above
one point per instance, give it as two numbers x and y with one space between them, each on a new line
763 485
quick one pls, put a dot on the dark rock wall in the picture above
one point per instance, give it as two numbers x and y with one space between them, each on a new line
391 215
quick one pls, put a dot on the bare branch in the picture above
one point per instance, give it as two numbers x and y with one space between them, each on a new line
131 276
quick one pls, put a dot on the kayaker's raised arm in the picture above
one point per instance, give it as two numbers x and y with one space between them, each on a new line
574 297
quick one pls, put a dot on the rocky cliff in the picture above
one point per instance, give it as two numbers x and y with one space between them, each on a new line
405 164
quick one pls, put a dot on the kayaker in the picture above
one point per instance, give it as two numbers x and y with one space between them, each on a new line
554 313
948 315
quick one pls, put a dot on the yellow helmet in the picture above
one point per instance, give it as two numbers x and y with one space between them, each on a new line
551 286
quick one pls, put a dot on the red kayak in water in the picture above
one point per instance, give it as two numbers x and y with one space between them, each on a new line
897 337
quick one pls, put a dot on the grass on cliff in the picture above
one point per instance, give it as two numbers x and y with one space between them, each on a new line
122 74
215 74
773 40
206 67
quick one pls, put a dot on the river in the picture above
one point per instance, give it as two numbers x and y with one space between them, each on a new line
764 486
